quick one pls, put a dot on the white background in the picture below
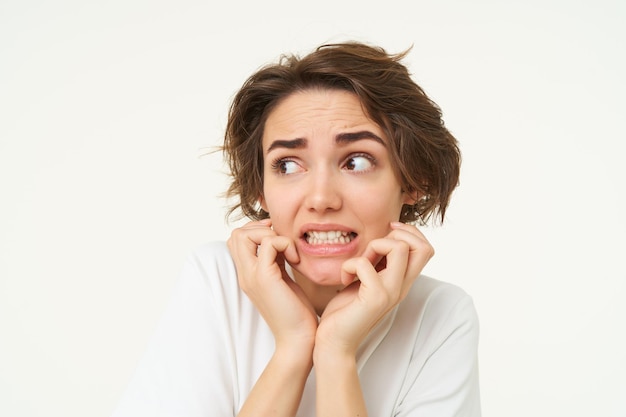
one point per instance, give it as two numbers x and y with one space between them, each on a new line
106 109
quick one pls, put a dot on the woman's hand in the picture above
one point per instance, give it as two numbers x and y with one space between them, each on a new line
259 255
384 274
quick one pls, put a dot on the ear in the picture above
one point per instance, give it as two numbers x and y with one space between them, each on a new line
410 197
263 204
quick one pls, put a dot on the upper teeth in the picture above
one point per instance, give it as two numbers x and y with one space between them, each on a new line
328 237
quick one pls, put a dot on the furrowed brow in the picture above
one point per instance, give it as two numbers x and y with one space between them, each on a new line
288 144
345 138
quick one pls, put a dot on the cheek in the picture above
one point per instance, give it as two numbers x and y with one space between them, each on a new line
382 206
273 200
280 207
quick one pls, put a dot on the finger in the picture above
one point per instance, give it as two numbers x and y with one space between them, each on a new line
396 254
376 297
362 269
244 241
266 273
379 261
272 246
420 252
250 231
407 230
377 253
348 273
374 257
244 244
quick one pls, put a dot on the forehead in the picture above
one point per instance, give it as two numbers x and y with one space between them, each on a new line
317 111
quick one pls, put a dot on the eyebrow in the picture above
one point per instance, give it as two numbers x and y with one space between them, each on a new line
288 144
340 139
345 138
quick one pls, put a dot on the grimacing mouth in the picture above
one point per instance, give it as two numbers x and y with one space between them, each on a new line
329 237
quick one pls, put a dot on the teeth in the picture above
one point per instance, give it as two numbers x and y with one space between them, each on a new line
331 237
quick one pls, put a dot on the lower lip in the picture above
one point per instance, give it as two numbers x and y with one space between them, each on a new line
329 249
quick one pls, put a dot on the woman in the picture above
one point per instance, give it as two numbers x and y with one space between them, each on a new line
316 307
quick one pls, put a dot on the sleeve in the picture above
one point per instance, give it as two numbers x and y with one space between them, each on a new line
185 371
447 383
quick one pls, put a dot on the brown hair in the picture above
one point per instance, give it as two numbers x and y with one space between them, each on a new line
425 155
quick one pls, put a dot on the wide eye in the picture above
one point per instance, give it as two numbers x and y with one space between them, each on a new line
286 166
359 163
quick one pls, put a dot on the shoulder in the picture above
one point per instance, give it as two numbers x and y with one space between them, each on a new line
211 256
441 311
428 353
209 273
442 372
433 314
209 263
438 297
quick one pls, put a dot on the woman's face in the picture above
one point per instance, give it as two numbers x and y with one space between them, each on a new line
328 180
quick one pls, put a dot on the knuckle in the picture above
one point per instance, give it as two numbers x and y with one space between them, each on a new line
362 262
236 235
268 241
402 246
427 249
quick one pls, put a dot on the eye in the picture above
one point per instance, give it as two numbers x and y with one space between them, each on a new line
359 163
286 166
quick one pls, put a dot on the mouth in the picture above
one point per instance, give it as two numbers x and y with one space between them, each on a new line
328 237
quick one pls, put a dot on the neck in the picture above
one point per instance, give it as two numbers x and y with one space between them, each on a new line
318 295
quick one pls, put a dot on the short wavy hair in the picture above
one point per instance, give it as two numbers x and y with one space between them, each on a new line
424 154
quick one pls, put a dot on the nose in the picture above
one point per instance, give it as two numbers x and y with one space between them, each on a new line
324 192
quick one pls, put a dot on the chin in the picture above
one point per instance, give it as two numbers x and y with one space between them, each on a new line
325 272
